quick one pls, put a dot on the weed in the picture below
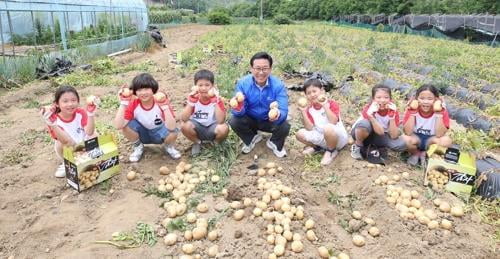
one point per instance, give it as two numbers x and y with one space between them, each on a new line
178 224
333 178
14 156
31 136
312 163
213 220
192 202
104 187
152 190
143 234
30 104
109 102
430 194
345 201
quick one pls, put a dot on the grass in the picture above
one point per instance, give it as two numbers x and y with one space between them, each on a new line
143 234
152 190
31 136
104 187
15 156
333 178
213 220
109 102
344 201
312 163
178 224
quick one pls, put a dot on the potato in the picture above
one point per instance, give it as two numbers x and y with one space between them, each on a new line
274 105
212 235
437 202
271 171
257 212
261 172
309 224
270 165
396 177
199 233
240 97
181 209
444 207
238 215
384 179
280 240
191 217
213 251
297 237
215 178
423 220
356 214
433 224
311 236
170 239
131 175
302 102
233 103
321 98
278 229
164 170
342 256
446 224
270 239
358 240
202 207
416 203
279 250
457 211
188 235
275 194
414 104
374 231
369 221
414 194
273 114
160 97
235 205
323 252
272 256
406 194
266 198
299 214
437 106
405 175
297 246
188 248
288 235
430 214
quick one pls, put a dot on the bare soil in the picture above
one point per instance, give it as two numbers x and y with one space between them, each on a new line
41 217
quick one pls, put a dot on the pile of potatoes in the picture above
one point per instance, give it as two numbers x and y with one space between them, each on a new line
410 207
270 169
275 207
437 179
182 183
372 230
88 178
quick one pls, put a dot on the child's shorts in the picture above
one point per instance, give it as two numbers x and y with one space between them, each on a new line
373 138
317 137
424 139
204 133
150 136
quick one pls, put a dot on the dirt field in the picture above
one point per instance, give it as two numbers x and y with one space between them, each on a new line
41 217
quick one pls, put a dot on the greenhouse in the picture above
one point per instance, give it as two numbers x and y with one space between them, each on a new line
59 25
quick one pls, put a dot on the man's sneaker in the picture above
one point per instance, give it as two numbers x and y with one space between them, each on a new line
328 157
413 159
136 153
60 171
247 149
356 152
172 152
274 148
195 149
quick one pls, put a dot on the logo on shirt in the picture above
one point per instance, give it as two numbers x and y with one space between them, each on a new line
158 121
424 131
201 115
80 130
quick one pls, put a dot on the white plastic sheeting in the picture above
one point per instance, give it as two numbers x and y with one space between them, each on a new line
18 16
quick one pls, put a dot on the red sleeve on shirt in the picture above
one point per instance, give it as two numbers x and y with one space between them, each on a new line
85 117
396 119
446 119
220 104
364 110
335 108
309 116
129 110
52 133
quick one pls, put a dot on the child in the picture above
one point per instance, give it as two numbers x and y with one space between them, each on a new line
144 119
378 124
323 126
68 123
425 125
204 115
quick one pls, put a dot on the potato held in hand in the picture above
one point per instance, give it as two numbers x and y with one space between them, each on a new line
240 97
438 106
274 105
302 102
126 92
414 105
211 92
273 114
160 97
233 103
322 98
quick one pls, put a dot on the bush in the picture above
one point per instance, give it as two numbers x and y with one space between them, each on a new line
282 19
218 17
193 19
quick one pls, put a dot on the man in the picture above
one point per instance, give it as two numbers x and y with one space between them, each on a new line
251 113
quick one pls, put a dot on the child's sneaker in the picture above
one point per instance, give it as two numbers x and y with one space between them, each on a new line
172 152
137 152
279 153
247 149
195 149
413 159
328 157
356 152
422 157
308 151
60 171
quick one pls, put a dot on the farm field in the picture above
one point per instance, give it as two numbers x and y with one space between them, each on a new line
40 216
